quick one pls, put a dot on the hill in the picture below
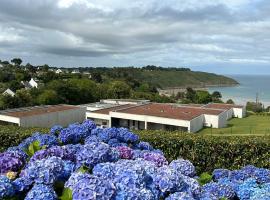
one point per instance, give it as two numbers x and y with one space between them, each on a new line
164 77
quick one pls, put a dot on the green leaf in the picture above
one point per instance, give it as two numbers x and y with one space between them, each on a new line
66 194
205 178
33 147
83 169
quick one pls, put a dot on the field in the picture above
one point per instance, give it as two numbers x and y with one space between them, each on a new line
252 125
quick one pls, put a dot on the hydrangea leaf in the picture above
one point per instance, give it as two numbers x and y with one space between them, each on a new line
205 178
67 194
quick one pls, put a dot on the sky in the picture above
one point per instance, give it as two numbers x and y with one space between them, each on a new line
220 36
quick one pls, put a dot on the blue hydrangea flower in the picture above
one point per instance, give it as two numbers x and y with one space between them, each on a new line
22 184
92 154
41 192
88 187
55 130
45 171
180 196
246 188
126 136
74 134
169 180
134 194
6 187
218 190
184 167
91 139
144 146
220 173
89 124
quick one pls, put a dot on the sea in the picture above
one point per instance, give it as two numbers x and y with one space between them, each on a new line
250 86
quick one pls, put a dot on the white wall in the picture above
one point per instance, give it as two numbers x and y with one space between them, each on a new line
196 124
211 120
158 120
10 119
222 119
230 113
97 115
47 120
239 112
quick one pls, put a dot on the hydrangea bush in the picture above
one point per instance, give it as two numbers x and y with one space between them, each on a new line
83 162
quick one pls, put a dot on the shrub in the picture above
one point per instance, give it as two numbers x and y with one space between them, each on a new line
210 152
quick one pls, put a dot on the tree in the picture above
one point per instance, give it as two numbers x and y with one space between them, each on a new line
190 94
119 89
24 98
203 97
96 76
255 107
216 95
16 61
48 97
230 101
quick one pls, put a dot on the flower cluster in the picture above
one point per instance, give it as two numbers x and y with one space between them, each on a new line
112 163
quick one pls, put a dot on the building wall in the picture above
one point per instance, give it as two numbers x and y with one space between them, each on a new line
222 119
47 120
9 119
230 114
211 121
239 112
97 116
196 124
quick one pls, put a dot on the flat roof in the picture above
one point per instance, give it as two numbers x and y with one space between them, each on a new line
169 111
36 110
106 111
222 106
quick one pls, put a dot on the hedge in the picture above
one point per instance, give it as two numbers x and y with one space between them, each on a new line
13 135
211 152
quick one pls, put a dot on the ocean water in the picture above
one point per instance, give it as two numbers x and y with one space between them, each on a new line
250 85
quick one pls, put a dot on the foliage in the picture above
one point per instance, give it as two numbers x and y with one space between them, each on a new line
13 135
210 152
205 178
255 107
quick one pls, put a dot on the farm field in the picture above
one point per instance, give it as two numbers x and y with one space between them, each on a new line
252 125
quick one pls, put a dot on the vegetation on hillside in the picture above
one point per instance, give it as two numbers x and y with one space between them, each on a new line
92 84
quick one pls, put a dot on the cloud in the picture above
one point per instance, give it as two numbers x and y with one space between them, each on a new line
128 32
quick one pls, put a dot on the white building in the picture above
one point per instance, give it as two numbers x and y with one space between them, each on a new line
33 83
9 92
75 71
58 71
162 116
43 116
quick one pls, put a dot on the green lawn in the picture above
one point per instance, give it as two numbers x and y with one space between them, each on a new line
251 125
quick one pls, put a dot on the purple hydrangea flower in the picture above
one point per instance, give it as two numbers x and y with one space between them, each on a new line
158 159
218 190
220 173
22 184
10 161
125 152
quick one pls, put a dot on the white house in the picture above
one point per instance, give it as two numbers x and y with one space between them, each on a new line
145 115
33 83
9 92
75 71
43 116
58 71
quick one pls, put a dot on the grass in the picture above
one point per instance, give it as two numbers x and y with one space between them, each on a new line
252 125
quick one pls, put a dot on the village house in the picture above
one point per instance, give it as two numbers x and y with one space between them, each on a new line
9 92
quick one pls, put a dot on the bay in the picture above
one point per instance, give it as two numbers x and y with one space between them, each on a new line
249 87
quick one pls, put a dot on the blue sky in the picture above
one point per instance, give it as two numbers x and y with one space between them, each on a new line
221 36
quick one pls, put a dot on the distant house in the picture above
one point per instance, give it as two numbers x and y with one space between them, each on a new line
26 84
1 65
33 83
75 71
58 71
9 92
